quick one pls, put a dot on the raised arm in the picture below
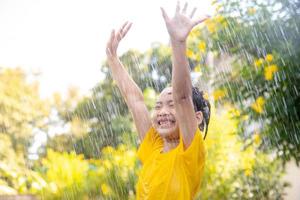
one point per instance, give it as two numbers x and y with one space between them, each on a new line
179 28
129 90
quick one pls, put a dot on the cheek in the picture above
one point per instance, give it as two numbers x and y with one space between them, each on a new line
173 112
153 115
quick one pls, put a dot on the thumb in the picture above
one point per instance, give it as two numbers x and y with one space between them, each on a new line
200 20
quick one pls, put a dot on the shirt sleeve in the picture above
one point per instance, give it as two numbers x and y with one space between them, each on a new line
149 145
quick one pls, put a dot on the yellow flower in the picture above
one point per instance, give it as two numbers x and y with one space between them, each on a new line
245 117
122 147
258 62
107 164
106 190
197 68
211 26
248 172
269 71
117 159
189 53
256 138
269 57
195 32
224 23
251 11
202 46
101 171
53 187
258 105
131 153
218 94
108 150
220 19
249 161
235 112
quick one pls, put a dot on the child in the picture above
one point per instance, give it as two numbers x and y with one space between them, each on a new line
172 149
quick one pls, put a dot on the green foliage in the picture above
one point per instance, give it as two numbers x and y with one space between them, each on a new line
263 77
16 179
70 176
235 170
65 174
22 112
21 109
263 83
64 128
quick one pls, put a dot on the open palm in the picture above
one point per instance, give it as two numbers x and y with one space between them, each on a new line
180 25
115 39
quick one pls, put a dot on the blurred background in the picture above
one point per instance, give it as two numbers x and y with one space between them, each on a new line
66 133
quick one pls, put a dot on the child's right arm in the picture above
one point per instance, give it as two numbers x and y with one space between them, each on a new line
129 89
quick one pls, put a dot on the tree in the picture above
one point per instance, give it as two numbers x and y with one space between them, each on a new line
262 79
65 128
22 114
22 111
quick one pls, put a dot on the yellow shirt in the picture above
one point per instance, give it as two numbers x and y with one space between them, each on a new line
172 175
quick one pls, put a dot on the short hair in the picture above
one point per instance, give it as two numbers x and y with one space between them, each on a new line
203 105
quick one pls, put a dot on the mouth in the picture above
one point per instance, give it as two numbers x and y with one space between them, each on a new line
166 123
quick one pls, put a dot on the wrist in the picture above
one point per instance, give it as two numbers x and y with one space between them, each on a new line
112 59
178 42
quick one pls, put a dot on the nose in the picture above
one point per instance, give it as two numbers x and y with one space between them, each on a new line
163 112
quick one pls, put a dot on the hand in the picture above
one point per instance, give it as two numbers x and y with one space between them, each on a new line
180 25
115 38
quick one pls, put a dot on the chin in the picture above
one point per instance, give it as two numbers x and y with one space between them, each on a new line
165 132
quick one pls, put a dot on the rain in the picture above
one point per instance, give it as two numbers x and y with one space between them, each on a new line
67 130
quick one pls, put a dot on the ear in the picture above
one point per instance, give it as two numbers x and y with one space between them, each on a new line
199 116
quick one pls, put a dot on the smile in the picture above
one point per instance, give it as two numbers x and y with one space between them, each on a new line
165 123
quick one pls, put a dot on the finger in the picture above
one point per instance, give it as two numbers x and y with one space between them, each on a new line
177 7
111 39
119 35
164 14
193 13
123 31
123 27
200 20
109 43
112 35
108 52
126 29
185 8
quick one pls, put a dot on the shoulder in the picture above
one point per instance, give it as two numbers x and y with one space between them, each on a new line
196 148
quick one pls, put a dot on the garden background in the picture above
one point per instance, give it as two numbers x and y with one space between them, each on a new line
75 145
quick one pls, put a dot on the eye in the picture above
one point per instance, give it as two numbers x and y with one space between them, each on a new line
171 104
157 107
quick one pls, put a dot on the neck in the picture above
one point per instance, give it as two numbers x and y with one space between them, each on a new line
170 143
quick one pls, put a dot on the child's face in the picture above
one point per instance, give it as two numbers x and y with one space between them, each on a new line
164 116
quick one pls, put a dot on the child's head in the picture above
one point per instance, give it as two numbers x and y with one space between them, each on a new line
164 114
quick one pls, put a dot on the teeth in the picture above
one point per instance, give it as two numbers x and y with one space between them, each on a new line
165 122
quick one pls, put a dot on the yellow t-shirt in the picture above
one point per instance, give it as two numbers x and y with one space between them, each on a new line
172 175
